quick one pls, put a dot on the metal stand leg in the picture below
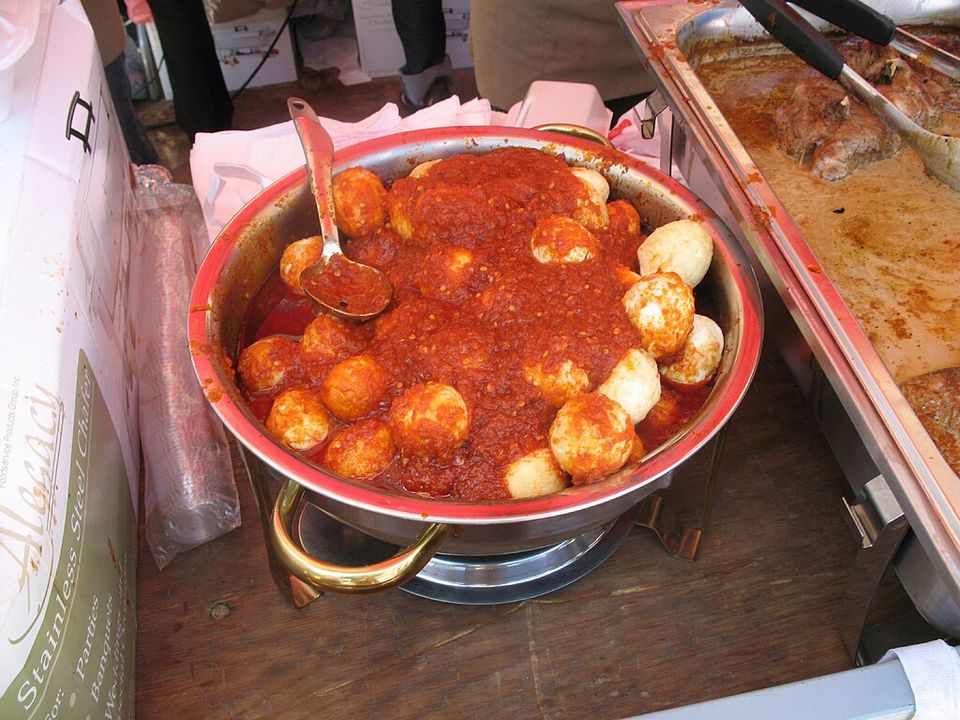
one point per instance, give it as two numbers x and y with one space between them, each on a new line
880 526
295 590
650 123
666 147
683 542
154 91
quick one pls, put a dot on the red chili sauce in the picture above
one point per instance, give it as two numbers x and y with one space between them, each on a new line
476 334
349 287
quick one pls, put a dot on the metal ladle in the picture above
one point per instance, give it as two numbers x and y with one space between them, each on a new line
940 153
346 288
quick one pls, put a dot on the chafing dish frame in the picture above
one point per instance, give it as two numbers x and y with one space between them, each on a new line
718 169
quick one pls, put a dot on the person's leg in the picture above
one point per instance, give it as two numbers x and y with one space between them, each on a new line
200 96
423 33
426 75
139 146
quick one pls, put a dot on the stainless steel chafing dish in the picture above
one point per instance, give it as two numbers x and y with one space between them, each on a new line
248 250
889 459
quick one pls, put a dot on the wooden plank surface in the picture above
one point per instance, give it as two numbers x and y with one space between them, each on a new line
761 606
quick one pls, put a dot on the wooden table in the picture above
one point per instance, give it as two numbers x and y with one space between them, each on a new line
761 606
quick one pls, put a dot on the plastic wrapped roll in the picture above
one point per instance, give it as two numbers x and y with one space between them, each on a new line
190 495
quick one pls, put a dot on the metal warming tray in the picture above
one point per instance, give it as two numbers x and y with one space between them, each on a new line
885 439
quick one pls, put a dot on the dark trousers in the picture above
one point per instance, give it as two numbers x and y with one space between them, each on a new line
139 146
200 97
423 33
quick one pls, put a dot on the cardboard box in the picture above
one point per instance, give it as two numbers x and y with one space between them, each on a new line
240 46
242 43
381 52
225 11
69 461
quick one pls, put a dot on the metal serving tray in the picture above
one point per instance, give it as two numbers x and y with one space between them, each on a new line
669 35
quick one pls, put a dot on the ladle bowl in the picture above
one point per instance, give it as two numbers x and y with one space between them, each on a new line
346 288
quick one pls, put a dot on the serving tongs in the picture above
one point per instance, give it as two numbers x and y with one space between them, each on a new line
940 153
862 20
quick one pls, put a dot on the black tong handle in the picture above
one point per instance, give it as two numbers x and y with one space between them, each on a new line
853 16
787 26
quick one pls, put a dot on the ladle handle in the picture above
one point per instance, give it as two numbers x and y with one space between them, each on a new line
787 26
318 149
853 16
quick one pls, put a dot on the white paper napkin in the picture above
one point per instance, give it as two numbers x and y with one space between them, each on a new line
933 671
228 168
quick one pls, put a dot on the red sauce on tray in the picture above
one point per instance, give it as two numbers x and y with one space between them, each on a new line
476 331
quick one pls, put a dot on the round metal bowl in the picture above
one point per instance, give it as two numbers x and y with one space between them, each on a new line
248 250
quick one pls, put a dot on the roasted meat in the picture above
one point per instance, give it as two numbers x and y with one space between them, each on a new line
835 134
826 129
935 398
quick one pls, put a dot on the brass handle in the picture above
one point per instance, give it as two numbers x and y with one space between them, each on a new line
578 131
325 576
